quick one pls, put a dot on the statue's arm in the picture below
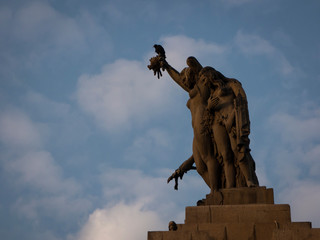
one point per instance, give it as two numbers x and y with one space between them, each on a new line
187 165
184 167
175 75
237 89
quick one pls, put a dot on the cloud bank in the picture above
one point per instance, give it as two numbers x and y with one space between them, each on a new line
120 222
122 95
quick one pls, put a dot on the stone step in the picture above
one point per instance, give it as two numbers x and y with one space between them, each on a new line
250 213
215 226
296 234
193 235
235 231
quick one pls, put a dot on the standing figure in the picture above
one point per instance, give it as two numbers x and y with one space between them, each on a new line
220 122
231 129
193 80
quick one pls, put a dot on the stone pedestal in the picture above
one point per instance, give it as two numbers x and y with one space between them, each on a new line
236 196
239 214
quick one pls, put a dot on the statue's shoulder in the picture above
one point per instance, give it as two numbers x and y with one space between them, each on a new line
235 82
237 88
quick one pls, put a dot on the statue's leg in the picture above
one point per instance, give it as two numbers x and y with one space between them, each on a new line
253 169
200 165
224 148
205 149
246 164
247 169
213 167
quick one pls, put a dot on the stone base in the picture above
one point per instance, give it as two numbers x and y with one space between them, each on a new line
254 217
250 213
236 196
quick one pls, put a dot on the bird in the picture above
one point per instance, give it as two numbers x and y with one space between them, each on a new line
160 50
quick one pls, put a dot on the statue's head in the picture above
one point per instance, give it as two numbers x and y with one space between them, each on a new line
190 74
193 63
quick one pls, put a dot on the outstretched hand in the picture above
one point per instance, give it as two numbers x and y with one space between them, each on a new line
176 175
156 64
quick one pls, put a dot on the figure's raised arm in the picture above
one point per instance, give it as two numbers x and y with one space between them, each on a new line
175 75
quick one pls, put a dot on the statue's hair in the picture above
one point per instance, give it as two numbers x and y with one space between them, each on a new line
193 63
213 75
188 77
190 74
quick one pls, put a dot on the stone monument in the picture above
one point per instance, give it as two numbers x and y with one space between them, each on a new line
236 207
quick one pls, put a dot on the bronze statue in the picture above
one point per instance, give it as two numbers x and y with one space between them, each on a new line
220 122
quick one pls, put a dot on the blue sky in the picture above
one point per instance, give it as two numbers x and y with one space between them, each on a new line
89 136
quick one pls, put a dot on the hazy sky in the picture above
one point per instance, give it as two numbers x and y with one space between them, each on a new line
89 136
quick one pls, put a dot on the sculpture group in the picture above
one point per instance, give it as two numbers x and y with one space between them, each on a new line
220 121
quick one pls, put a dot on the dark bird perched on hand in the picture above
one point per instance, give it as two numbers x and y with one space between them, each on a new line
159 49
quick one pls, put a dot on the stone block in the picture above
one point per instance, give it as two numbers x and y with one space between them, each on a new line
296 234
296 231
155 235
201 214
258 213
179 235
187 227
236 196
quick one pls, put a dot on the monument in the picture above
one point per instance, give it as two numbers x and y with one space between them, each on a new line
236 207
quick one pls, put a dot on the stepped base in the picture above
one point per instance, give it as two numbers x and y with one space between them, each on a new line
246 214
240 231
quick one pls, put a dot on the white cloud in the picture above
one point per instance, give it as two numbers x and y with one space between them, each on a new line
124 93
178 48
151 190
294 156
18 131
38 170
120 222
157 140
304 198
136 203
42 103
39 35
299 128
39 21
26 165
59 207
251 44
139 203
299 141
130 185
255 45
64 125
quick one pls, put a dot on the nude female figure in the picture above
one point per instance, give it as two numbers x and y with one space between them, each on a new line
220 122
193 79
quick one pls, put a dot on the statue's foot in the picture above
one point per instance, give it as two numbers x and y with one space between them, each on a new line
214 191
251 184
